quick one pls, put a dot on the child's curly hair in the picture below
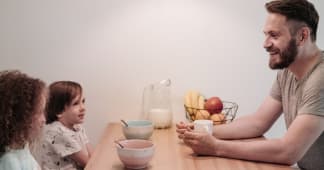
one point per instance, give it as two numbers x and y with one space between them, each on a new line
20 97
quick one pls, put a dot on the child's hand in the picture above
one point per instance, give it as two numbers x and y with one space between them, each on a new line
89 149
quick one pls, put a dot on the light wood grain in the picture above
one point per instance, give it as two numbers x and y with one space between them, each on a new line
170 154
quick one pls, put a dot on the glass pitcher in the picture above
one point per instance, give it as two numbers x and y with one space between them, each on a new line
157 104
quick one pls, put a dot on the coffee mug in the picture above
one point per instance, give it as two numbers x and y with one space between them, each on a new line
203 126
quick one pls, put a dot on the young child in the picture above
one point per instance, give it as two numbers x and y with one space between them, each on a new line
22 106
64 144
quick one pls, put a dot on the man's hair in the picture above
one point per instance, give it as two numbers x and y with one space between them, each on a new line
20 97
61 94
296 10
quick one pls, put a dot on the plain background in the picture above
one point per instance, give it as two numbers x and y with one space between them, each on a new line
115 48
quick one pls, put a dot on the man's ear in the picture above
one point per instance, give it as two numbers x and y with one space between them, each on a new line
303 35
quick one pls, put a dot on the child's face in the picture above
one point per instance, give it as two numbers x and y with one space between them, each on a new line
73 113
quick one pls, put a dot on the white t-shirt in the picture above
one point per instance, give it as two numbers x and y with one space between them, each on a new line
18 159
57 143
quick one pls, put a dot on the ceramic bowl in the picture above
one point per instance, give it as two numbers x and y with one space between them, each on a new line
136 153
138 129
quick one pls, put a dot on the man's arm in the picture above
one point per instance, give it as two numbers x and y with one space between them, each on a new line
252 125
302 133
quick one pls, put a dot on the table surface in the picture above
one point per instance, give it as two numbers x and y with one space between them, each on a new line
170 154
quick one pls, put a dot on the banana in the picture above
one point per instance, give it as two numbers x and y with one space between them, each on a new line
193 117
188 102
201 102
194 101
218 118
202 114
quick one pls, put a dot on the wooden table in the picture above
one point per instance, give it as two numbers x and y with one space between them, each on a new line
170 154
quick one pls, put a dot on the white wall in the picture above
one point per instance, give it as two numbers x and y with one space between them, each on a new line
116 47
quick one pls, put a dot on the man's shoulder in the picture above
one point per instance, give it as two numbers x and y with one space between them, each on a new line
320 67
315 81
317 75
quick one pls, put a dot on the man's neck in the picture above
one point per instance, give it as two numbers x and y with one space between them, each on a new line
305 61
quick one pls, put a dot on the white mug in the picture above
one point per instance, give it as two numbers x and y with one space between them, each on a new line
203 126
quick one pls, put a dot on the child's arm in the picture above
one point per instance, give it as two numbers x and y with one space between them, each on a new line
89 149
81 157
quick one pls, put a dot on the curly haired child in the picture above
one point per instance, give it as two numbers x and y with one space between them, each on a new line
64 143
22 106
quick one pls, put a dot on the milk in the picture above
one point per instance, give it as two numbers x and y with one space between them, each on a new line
161 118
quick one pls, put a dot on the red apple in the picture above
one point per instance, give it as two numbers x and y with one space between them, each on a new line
214 105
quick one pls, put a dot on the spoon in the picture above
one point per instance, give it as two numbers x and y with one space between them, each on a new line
119 144
124 122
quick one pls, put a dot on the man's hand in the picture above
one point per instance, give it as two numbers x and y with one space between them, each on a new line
201 143
182 128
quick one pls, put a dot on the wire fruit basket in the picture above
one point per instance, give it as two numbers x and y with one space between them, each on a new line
225 116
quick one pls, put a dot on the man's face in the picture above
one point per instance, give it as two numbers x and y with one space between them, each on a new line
279 43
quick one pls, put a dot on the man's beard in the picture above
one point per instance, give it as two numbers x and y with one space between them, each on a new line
287 56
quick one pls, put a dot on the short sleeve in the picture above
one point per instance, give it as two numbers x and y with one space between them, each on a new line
63 144
275 90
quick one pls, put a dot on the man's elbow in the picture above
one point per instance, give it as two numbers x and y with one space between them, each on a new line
290 156
289 161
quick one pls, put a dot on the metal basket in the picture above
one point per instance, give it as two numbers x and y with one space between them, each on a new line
229 111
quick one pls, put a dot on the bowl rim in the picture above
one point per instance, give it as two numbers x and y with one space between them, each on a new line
135 149
149 123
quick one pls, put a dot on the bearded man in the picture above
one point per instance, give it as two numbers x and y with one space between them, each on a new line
297 92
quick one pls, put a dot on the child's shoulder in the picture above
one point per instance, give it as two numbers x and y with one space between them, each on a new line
53 126
9 161
57 127
12 159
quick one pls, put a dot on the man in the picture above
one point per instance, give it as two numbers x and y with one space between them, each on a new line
298 92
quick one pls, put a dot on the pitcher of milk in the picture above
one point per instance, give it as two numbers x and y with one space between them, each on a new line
157 104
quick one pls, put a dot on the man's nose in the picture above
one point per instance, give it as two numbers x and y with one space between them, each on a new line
267 43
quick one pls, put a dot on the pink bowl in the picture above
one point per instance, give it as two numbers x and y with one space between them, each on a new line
136 153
